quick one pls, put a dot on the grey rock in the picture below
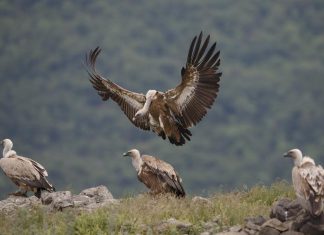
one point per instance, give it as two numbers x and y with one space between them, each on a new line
236 228
250 231
12 203
286 209
232 233
94 205
183 227
81 200
314 229
100 193
252 226
292 233
259 220
268 231
58 200
89 199
93 198
296 218
276 224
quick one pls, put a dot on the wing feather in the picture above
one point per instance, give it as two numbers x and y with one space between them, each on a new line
130 102
314 177
196 48
26 171
200 83
166 173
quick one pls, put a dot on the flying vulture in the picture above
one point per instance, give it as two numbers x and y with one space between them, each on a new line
26 173
169 114
308 182
157 175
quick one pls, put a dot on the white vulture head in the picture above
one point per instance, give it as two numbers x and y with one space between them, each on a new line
7 146
296 155
136 158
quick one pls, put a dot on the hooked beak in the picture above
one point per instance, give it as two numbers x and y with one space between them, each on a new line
286 155
125 154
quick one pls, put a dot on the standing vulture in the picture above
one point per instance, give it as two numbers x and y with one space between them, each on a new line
157 175
169 114
26 173
308 182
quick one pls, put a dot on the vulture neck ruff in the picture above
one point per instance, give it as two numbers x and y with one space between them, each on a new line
7 152
137 161
149 97
298 159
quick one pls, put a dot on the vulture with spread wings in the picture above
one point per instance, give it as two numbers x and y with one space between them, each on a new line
169 114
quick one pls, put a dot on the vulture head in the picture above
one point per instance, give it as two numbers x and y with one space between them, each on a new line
132 153
296 155
7 146
136 158
6 143
149 97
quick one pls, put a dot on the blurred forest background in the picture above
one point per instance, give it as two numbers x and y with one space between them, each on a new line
271 96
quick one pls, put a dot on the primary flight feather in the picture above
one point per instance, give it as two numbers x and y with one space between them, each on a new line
169 114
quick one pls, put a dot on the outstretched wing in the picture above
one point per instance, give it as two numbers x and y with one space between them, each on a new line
200 83
129 102
165 173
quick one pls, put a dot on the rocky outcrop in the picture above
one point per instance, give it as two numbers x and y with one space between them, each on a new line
88 199
13 203
286 218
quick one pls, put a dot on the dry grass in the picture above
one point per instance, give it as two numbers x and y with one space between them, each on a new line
142 213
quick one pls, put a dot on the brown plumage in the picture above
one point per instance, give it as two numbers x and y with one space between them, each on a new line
157 175
26 173
308 182
169 114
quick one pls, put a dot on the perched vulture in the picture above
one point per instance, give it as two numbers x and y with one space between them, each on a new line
169 114
308 182
157 175
26 173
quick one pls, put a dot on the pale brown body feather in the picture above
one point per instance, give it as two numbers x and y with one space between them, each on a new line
26 173
159 176
308 182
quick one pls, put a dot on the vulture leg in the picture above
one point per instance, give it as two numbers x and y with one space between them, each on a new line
19 193
38 193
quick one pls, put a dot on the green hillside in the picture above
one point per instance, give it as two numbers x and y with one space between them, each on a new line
271 96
